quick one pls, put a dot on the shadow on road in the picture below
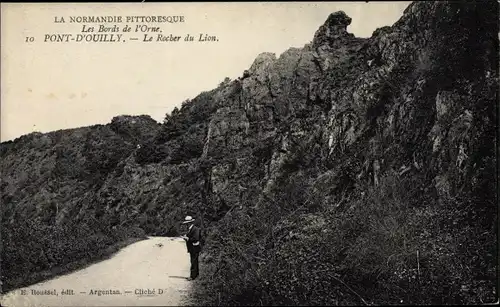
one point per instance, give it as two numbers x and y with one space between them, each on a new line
181 277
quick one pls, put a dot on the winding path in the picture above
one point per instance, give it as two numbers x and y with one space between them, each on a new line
147 273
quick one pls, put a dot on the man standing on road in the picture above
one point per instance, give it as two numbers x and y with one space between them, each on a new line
192 239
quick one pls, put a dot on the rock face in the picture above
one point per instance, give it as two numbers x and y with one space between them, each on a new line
68 162
334 31
325 132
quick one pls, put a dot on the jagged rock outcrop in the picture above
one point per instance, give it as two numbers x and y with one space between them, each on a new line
335 131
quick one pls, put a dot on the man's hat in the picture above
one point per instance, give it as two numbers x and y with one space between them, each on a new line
188 219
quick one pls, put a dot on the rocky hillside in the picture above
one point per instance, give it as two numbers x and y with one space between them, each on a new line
349 171
48 188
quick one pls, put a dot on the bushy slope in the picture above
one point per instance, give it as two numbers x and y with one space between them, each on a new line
49 215
349 171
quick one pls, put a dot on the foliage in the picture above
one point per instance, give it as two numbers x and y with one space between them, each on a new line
384 248
33 247
47 182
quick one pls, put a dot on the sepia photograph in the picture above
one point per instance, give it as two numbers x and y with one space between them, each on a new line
249 154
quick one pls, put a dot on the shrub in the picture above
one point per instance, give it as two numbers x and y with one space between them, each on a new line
32 248
392 244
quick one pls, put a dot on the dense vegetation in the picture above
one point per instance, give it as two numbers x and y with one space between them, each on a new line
51 220
34 250
381 248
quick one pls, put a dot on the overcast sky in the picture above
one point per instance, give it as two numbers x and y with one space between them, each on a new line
52 86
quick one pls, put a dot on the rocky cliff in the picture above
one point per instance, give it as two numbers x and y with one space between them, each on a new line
352 170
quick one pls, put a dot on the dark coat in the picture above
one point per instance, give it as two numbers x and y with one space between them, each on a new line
193 242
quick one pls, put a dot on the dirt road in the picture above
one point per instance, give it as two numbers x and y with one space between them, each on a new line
147 273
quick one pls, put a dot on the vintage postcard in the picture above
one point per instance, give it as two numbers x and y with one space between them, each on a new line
256 153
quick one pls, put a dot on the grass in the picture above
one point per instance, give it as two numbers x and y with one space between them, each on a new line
50 251
394 244
71 267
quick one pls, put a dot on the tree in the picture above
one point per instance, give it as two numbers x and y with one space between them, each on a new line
167 118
